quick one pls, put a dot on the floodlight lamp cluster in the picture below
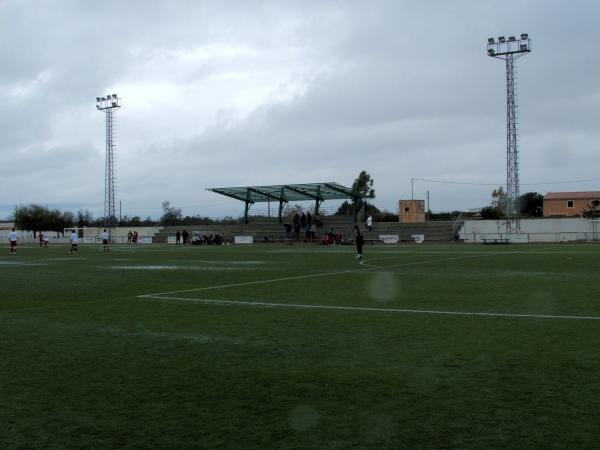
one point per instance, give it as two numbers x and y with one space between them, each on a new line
111 101
508 45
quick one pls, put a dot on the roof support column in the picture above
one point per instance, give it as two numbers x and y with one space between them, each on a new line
246 208
282 200
318 200
355 201
248 203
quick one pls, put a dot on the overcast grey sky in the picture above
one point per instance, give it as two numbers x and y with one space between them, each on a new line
233 93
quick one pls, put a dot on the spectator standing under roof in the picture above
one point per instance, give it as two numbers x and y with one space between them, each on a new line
303 221
309 219
296 222
288 230
308 233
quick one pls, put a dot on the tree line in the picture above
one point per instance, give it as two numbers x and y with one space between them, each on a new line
363 187
530 205
37 218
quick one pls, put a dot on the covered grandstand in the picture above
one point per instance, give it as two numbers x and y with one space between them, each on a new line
285 193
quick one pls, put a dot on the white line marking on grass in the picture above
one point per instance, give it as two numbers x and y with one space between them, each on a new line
364 263
232 263
313 275
181 267
65 258
21 263
360 308
273 280
58 305
214 262
148 267
155 250
394 254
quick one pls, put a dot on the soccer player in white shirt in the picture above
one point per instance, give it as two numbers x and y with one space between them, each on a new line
74 243
105 240
12 237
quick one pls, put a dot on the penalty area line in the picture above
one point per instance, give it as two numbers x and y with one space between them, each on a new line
314 275
369 309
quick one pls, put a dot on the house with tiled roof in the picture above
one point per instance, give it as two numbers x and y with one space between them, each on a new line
570 204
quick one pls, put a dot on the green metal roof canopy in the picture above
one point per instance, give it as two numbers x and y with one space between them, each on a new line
284 193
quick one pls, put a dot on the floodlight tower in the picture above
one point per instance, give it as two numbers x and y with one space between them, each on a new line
108 105
509 50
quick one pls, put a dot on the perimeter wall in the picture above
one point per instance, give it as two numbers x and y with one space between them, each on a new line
533 230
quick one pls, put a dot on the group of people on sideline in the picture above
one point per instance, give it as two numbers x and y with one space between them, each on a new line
299 222
13 239
133 238
305 222
179 235
43 239
333 238
183 238
207 239
337 238
302 225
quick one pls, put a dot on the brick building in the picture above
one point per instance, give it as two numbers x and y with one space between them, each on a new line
412 211
570 204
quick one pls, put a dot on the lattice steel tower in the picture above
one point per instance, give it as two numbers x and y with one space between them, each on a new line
109 105
509 50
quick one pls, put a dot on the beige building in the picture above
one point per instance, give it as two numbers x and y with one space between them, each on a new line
570 204
412 211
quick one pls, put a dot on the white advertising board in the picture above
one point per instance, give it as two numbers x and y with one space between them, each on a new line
243 240
419 238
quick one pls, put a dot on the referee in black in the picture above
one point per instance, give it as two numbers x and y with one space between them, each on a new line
359 240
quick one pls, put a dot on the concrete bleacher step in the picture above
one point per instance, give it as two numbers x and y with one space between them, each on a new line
271 229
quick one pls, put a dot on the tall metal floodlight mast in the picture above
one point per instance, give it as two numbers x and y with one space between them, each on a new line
509 50
109 105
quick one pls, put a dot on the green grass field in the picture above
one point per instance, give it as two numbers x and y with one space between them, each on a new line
288 347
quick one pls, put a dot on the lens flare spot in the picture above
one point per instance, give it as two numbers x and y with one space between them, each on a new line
383 287
303 418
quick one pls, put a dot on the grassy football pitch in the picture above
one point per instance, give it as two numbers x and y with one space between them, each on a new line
287 347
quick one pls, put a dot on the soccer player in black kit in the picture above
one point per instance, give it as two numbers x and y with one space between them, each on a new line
358 239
